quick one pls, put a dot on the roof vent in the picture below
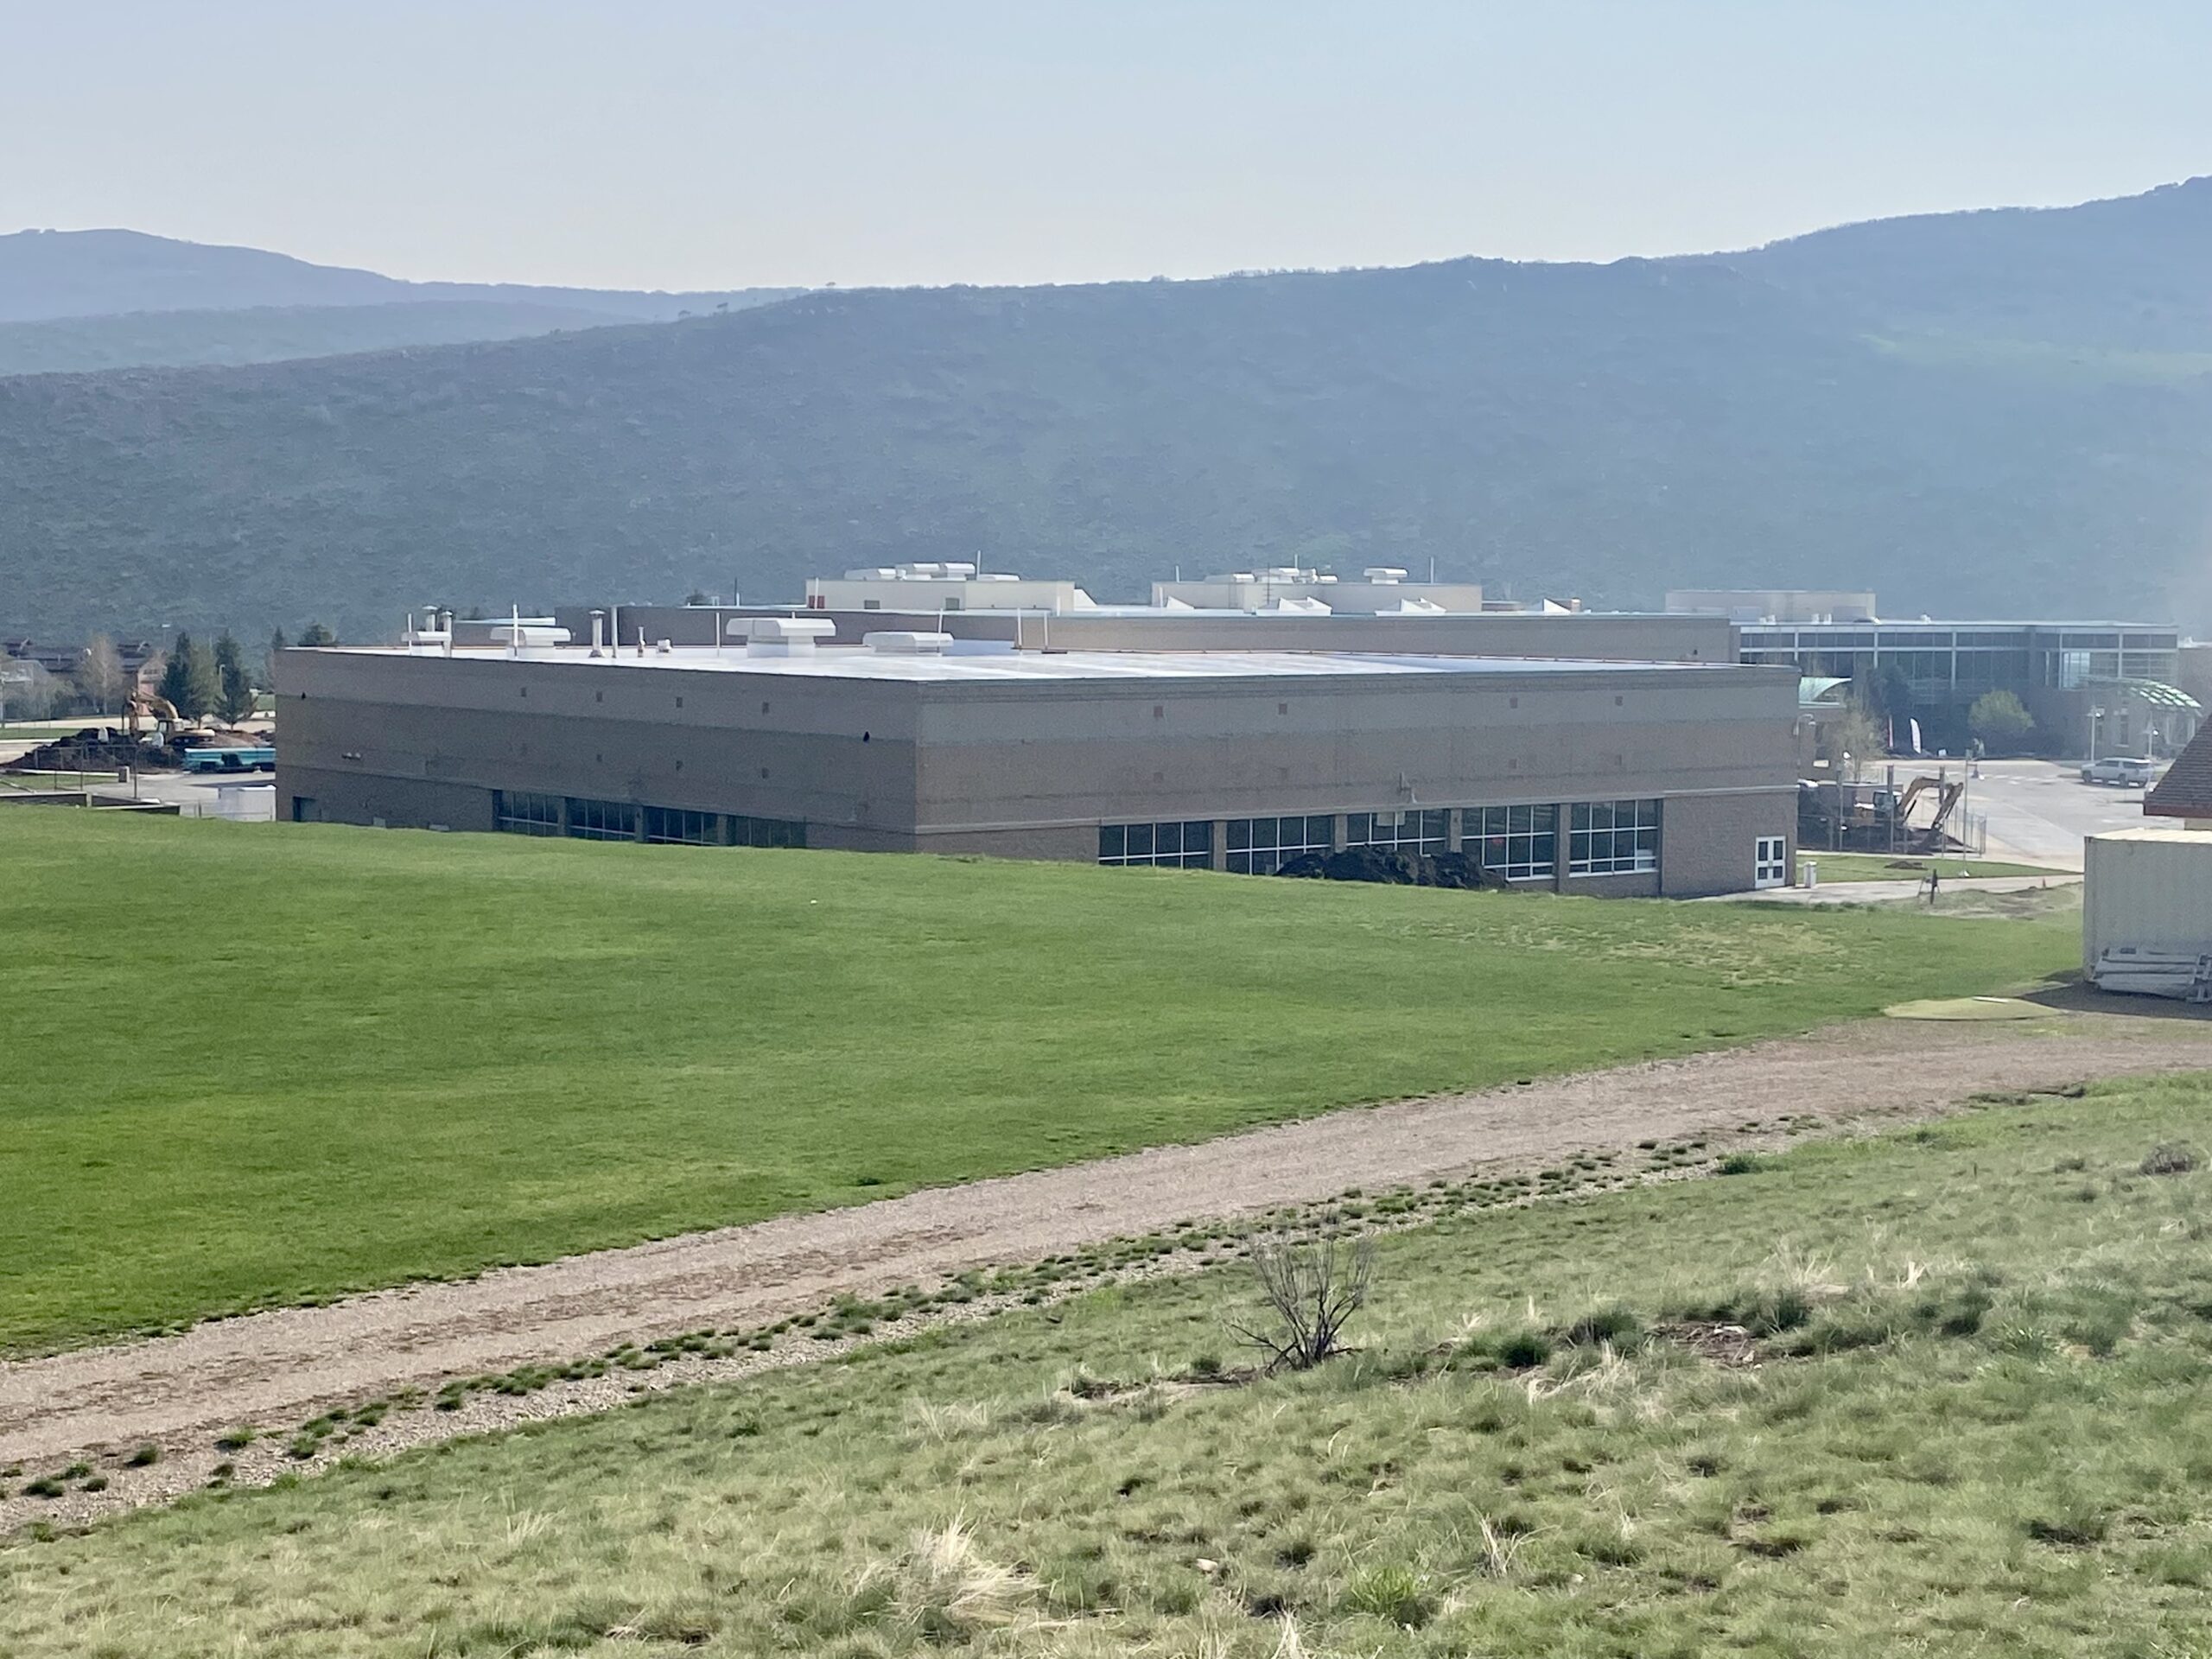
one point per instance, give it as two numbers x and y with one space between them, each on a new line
524 633
1383 573
904 644
782 636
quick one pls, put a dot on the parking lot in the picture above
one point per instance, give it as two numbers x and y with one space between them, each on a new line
2039 811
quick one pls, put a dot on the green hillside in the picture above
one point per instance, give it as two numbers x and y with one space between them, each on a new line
248 1066
1948 410
1936 1392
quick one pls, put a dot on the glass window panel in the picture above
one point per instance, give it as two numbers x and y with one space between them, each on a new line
1139 840
1110 841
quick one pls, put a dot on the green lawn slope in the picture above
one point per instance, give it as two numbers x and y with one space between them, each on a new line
1962 1412
246 1065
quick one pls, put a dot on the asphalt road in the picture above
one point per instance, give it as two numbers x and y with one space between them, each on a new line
2039 811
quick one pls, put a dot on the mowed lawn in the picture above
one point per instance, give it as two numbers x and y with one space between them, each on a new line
246 1065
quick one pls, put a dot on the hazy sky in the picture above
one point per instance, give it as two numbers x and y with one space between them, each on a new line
696 145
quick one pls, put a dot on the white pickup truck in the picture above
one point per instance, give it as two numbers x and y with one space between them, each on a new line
2124 772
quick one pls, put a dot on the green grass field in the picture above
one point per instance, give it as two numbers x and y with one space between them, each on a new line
1877 867
246 1065
1967 1416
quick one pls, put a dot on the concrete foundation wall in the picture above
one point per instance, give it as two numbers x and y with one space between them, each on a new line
350 796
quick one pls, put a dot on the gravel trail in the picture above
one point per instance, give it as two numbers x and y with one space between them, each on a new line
282 1366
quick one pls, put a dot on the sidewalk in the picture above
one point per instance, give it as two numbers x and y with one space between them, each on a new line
1869 892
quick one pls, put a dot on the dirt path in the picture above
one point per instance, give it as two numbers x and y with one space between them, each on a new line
281 1367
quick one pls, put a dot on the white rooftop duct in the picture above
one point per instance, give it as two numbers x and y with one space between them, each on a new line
782 636
902 643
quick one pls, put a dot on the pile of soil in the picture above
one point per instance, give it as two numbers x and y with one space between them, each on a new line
1393 869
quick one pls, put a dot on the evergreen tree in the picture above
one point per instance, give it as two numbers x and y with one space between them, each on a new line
315 634
176 674
233 688
189 681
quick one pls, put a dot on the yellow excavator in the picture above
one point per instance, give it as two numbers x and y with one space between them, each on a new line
155 708
1947 792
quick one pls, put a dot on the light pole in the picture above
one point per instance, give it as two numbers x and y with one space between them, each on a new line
2096 718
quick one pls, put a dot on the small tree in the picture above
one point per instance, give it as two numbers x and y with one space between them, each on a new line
99 674
2001 721
26 690
1855 733
233 688
315 634
1311 1291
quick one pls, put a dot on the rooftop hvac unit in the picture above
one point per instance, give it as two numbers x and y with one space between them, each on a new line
901 643
781 636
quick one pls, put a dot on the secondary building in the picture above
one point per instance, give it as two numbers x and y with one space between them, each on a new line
1590 776
2103 688
1381 590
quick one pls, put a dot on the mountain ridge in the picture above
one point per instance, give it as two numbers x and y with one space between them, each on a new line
1606 429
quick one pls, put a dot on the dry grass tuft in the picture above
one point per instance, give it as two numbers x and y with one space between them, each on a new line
945 1588
950 1420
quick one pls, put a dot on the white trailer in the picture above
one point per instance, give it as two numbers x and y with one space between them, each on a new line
2147 909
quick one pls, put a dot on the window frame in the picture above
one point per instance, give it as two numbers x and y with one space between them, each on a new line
540 813
1599 843
1176 843
1259 846
1520 844
1419 830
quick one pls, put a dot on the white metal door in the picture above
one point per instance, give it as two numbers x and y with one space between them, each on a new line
1770 862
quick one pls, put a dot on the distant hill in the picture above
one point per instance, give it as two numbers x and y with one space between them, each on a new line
1935 408
47 274
2130 273
75 302
270 333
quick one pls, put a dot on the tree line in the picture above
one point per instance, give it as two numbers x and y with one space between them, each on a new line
197 680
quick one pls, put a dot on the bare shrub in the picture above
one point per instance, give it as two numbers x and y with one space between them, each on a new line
2169 1158
1311 1291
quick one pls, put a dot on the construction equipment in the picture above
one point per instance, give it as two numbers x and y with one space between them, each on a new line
1931 839
1876 818
159 709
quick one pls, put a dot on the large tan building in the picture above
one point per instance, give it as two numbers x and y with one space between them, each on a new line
1621 777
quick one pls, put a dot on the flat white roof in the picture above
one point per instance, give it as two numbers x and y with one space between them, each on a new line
973 661
2168 832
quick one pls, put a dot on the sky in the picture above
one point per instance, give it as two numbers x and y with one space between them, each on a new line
663 143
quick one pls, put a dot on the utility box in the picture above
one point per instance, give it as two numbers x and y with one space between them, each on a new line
2147 890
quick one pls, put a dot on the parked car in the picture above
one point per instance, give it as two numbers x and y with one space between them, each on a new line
2125 771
